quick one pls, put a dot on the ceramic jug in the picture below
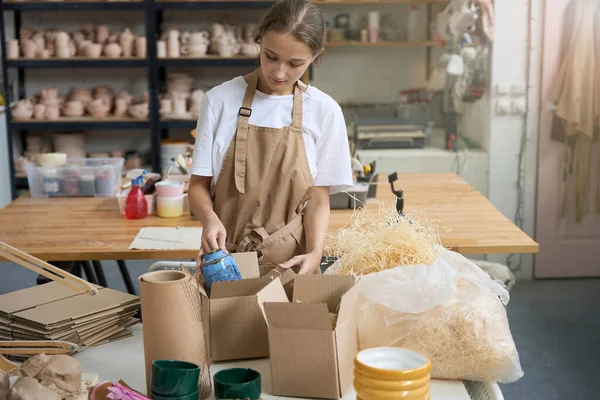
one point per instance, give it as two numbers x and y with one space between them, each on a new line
217 266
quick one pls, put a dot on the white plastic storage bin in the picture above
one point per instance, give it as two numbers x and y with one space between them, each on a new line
80 177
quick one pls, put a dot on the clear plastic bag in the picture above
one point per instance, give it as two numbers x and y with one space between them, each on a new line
450 311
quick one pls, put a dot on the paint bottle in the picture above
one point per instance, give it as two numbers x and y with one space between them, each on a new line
136 206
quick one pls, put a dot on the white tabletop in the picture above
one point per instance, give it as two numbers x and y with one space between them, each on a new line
124 359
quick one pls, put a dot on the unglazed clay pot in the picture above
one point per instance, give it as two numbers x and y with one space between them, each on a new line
52 112
126 41
120 107
112 50
99 108
23 110
83 95
73 108
138 111
39 110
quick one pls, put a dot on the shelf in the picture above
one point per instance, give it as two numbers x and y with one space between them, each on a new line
72 5
178 123
347 43
208 61
81 123
213 4
76 62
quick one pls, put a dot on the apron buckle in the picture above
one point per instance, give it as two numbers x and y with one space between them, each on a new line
246 109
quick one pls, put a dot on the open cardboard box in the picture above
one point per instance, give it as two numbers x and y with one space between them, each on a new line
234 325
310 357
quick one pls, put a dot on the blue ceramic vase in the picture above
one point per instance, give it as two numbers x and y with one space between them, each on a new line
217 266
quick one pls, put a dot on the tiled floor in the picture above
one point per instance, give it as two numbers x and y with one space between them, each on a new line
555 324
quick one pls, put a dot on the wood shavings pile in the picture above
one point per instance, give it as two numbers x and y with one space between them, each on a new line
376 240
333 318
467 338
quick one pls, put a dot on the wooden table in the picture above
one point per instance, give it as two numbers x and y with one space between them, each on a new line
78 229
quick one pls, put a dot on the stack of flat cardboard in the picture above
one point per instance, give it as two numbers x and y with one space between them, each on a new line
55 312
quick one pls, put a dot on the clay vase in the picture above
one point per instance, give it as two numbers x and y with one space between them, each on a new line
120 107
52 112
29 48
61 39
161 49
140 47
173 45
102 34
12 49
112 50
126 42
39 111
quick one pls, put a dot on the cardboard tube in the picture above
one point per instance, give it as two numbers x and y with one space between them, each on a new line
172 320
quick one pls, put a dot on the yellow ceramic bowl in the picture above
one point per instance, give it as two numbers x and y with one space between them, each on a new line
374 382
366 393
391 373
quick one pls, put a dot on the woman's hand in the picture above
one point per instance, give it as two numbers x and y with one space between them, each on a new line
308 263
213 237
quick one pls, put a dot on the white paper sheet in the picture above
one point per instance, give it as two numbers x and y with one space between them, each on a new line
172 238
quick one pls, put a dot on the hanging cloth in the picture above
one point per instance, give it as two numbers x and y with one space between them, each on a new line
576 97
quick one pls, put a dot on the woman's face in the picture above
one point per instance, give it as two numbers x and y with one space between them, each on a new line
283 60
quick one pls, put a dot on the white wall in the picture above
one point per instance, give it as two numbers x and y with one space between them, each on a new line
509 66
5 193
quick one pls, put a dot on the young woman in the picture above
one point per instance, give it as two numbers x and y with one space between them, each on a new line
270 150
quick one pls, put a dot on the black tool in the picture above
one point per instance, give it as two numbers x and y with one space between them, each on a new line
399 193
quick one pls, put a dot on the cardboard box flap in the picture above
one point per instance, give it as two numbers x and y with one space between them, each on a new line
272 293
247 264
347 305
286 315
285 275
75 307
244 287
327 289
34 296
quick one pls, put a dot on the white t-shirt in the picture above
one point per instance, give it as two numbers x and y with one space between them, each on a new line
323 128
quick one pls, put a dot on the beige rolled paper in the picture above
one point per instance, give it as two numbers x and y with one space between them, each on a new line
173 327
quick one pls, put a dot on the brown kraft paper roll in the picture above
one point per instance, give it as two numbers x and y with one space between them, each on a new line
172 320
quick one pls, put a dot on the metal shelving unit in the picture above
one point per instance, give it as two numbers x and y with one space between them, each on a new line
155 68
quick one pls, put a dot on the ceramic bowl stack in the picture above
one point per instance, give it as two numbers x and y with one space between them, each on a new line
391 373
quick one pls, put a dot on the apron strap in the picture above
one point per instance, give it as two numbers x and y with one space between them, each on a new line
297 110
241 136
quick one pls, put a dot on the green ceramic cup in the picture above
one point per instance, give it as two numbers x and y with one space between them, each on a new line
192 396
174 378
237 383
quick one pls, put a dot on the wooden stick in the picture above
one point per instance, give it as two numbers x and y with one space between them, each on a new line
41 267
31 347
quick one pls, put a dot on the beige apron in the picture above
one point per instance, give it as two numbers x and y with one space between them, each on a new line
263 186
